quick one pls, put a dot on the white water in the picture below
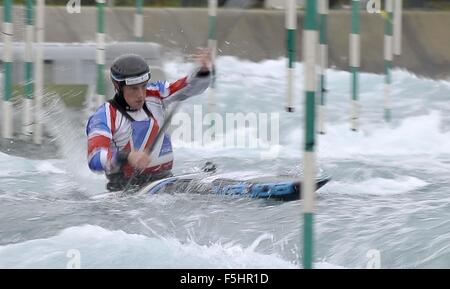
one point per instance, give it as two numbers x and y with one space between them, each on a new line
390 187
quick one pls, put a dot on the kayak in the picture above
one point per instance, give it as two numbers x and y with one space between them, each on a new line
237 184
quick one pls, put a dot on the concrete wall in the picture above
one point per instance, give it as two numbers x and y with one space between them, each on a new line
75 63
260 34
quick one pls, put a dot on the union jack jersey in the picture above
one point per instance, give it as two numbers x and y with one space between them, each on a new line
109 131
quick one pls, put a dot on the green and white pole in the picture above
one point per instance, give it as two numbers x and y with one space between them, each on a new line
139 22
27 121
388 56
7 69
291 30
39 71
308 184
212 45
398 27
355 58
323 50
100 57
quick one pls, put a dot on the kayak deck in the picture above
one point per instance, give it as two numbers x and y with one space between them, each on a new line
285 188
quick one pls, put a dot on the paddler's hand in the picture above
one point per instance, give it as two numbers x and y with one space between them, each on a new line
139 160
203 59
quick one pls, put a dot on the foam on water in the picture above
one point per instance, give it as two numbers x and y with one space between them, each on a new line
418 135
13 166
101 248
379 186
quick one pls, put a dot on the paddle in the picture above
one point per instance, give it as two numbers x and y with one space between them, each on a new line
161 131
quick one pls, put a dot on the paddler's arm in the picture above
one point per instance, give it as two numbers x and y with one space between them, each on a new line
185 87
101 156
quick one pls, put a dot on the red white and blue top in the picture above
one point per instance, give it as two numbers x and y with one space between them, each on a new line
109 131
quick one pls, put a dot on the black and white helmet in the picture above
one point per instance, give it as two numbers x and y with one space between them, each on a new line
129 69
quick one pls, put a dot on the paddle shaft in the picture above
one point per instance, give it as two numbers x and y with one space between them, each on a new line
166 123
161 131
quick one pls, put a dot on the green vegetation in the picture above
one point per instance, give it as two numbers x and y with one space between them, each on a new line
73 95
